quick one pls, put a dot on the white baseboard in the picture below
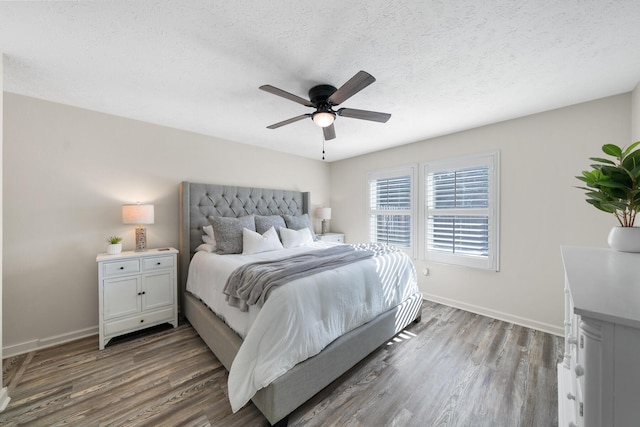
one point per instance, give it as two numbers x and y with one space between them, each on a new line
529 323
4 399
28 346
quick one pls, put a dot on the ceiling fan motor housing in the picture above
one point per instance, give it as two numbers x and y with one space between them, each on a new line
319 94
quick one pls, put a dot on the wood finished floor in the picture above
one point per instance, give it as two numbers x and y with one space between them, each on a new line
452 369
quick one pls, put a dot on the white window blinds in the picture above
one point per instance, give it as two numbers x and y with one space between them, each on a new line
391 207
461 211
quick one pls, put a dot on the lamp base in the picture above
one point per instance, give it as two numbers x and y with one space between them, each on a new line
325 226
141 239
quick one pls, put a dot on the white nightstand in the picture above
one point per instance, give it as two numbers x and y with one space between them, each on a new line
331 237
136 290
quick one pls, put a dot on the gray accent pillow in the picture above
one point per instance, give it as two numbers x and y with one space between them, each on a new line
297 222
265 222
228 232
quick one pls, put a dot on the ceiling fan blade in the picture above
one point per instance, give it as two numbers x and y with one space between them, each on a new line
287 95
358 82
288 121
329 132
373 116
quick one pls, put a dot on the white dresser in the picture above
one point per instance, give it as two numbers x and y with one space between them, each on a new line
599 377
136 290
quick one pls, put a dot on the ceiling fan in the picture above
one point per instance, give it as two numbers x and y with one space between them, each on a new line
324 97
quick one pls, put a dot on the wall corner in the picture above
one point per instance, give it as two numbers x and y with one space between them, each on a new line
635 113
4 396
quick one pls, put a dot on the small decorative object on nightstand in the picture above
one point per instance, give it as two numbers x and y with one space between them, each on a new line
325 215
114 246
331 237
139 215
136 290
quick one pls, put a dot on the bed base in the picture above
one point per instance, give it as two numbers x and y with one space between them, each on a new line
307 378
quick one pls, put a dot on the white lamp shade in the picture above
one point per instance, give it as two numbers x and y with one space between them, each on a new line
323 118
323 213
137 214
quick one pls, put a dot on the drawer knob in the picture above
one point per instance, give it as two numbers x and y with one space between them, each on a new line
571 396
579 370
159 263
141 320
573 340
121 268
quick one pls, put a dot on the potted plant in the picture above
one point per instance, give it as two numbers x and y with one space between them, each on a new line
613 186
114 247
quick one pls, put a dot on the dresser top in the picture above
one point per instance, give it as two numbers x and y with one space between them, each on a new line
134 254
604 284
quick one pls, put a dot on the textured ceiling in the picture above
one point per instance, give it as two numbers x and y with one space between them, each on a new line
441 66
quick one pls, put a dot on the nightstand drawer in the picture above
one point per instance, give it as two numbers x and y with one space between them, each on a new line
157 262
136 322
121 267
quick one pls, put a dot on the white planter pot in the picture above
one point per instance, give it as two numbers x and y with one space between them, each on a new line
114 249
625 239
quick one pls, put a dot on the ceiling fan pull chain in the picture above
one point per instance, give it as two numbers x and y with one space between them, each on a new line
323 146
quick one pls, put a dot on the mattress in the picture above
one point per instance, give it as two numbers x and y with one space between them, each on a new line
208 273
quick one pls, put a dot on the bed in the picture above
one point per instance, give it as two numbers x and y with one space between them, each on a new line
291 389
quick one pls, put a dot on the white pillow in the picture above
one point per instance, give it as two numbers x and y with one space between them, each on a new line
206 247
253 243
209 238
294 238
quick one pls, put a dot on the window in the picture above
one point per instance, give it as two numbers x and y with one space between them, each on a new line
461 211
391 207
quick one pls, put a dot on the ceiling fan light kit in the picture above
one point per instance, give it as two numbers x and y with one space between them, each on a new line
323 118
324 97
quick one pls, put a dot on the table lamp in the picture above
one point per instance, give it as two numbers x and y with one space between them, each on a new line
324 214
138 214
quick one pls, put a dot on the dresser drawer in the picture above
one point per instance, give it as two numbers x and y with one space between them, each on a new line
136 322
121 267
157 262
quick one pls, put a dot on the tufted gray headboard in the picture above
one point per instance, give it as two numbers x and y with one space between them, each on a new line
200 201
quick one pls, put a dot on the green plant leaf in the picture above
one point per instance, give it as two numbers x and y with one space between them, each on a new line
630 148
635 172
611 184
612 150
601 160
601 207
632 160
597 195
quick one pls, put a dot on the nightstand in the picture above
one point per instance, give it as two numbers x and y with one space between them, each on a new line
331 237
136 290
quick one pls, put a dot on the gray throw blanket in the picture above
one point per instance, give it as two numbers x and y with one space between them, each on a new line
251 283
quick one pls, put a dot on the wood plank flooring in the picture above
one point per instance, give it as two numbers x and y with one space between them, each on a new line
452 369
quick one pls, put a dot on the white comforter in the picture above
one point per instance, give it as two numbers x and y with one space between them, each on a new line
319 309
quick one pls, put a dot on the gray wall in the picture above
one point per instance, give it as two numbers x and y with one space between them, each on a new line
67 171
540 208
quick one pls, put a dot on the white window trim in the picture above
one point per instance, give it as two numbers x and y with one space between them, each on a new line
412 171
492 159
